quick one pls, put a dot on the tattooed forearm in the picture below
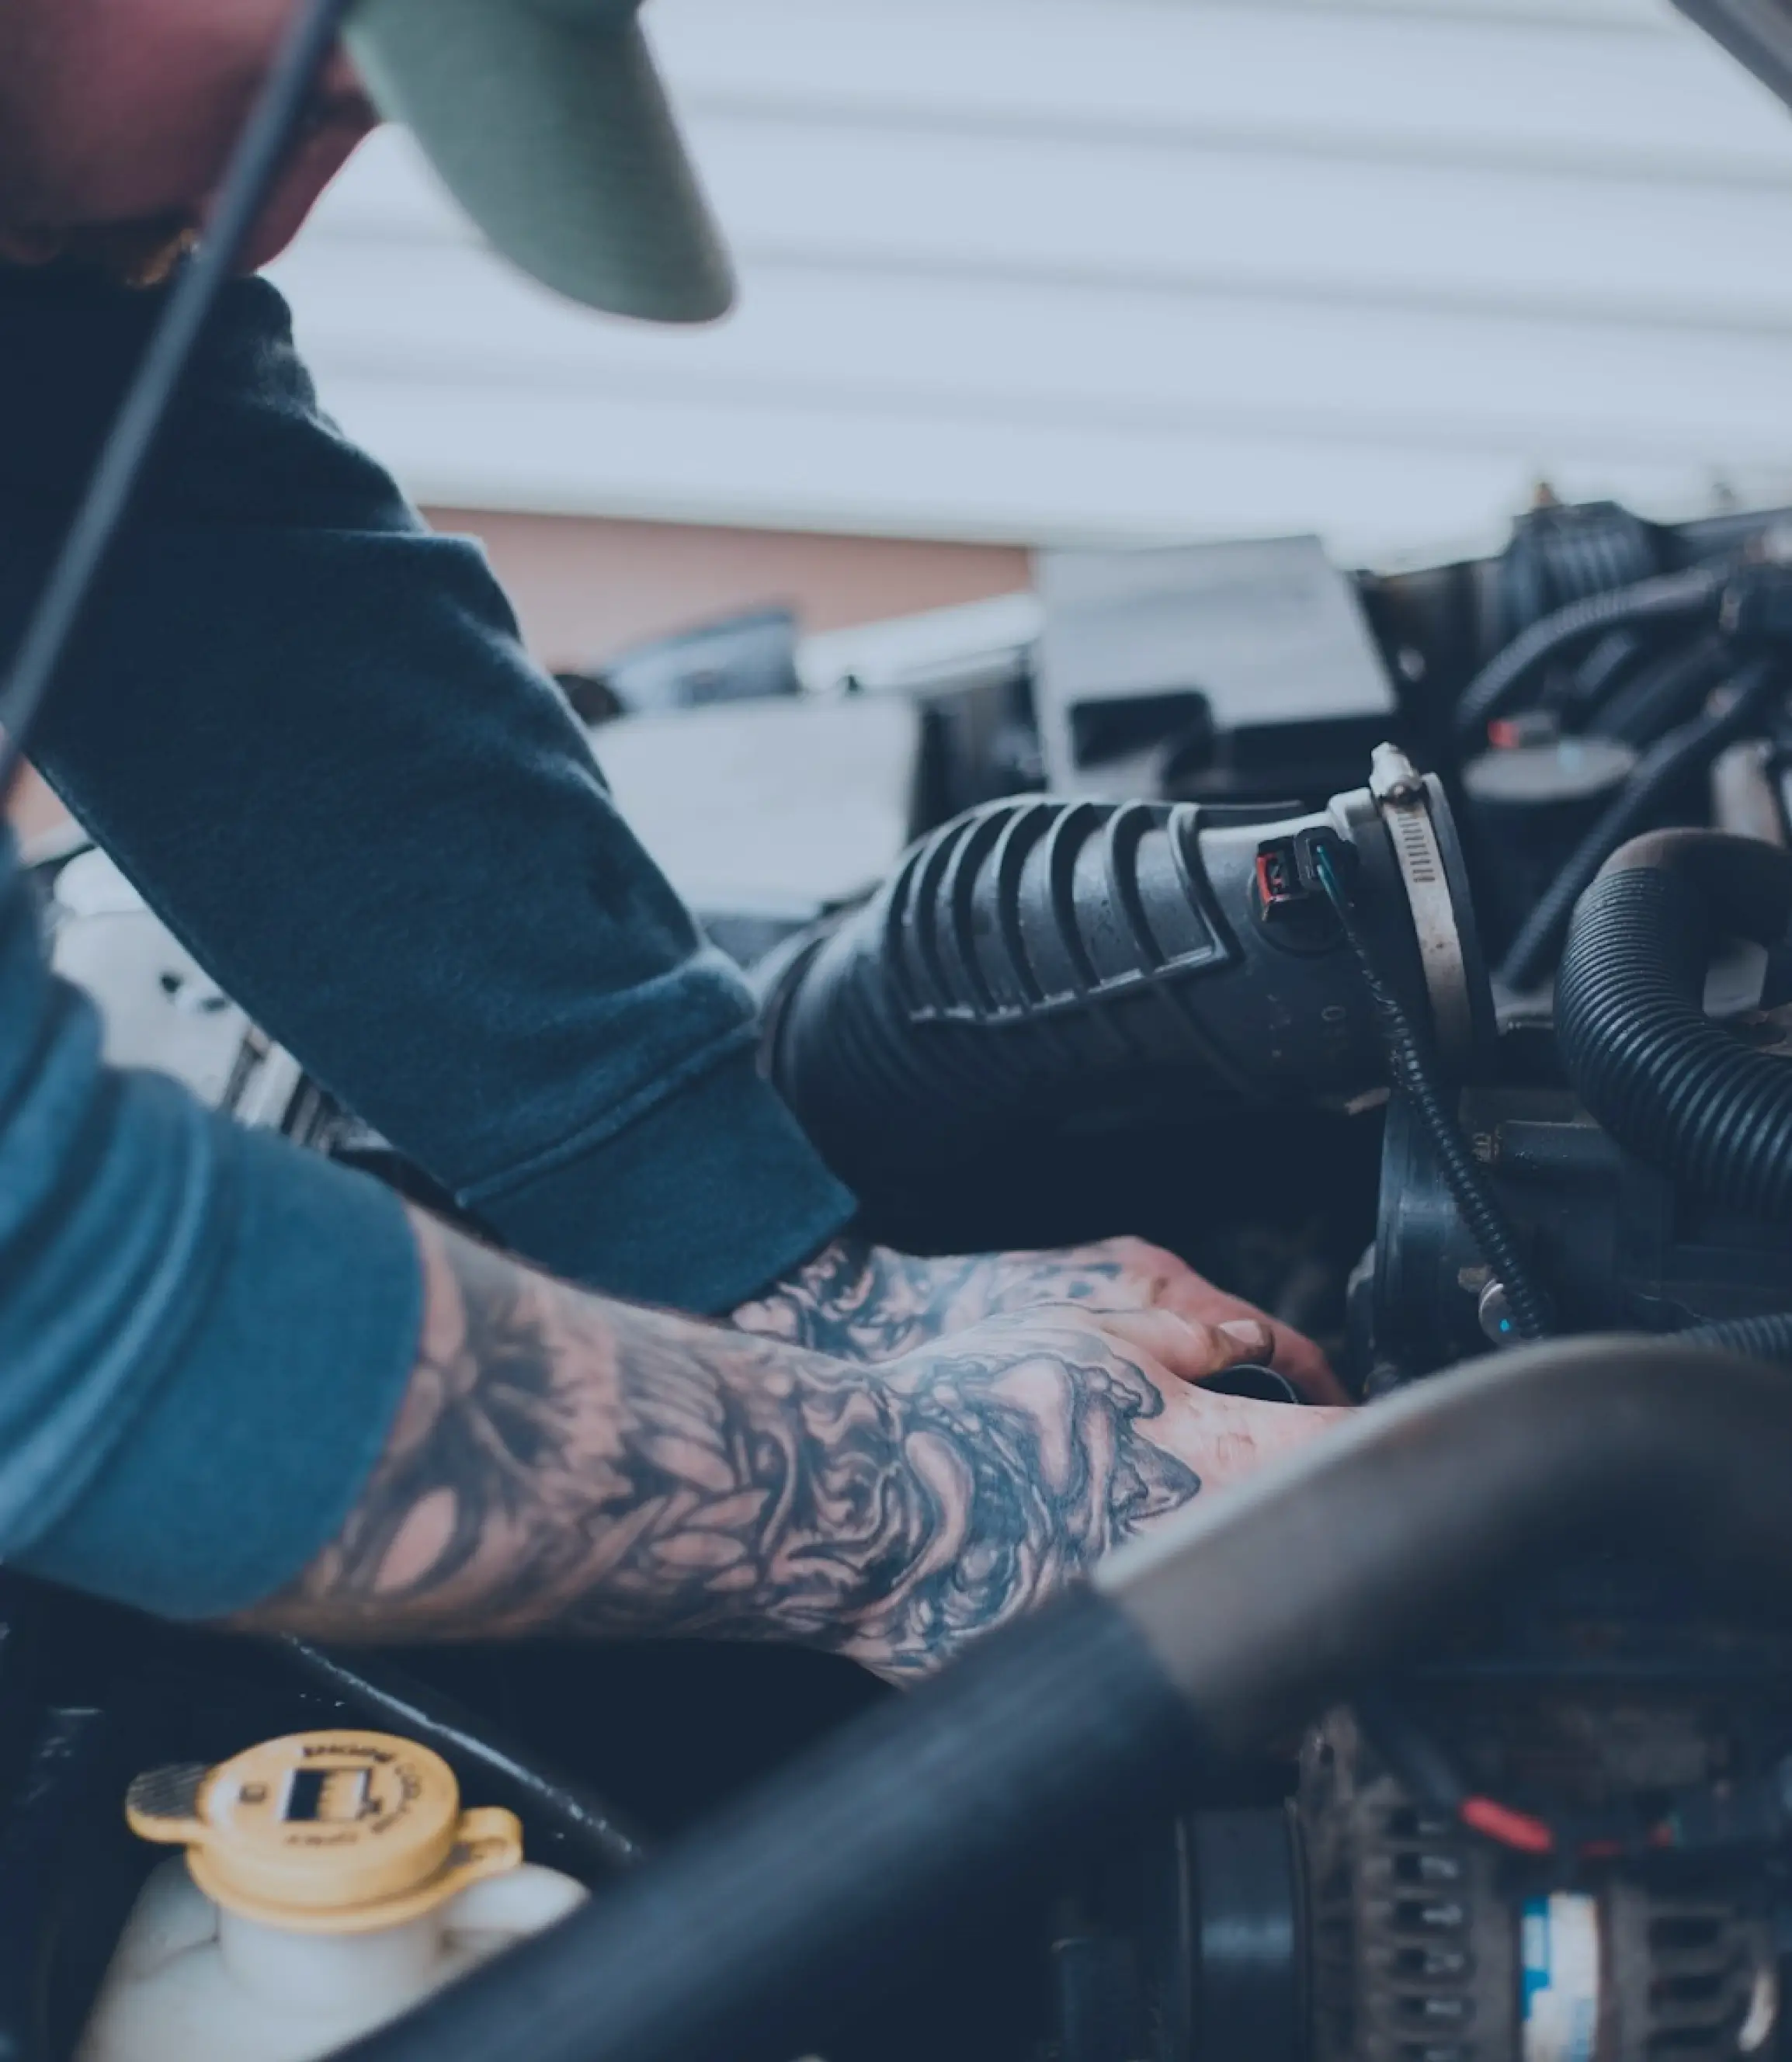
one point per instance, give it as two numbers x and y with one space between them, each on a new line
566 1463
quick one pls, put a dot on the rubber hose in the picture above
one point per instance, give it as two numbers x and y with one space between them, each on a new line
1297 1584
1677 756
1670 597
1035 956
1677 1090
1760 1339
1611 662
920 1027
1415 1076
754 1938
1560 554
1240 1617
584 1833
1668 691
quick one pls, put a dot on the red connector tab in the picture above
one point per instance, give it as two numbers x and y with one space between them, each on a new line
1291 898
1279 877
1517 1830
1290 894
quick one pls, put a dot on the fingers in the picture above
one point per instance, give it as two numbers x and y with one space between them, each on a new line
1222 1439
1188 1349
1173 1284
1305 1365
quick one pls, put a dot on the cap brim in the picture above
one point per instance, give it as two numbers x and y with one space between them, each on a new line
1759 32
552 129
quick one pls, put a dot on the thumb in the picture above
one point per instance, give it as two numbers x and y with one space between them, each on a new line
1190 1349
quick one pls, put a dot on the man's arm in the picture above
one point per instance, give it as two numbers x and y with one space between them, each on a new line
562 1462
205 1334
306 727
226 1361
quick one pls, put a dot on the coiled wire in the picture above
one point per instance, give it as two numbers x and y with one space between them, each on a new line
1414 1076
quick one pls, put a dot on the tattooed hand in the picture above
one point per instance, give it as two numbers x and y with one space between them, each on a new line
865 1303
569 1464
1032 1445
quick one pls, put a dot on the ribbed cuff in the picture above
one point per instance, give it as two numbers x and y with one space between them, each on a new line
249 1457
704 1200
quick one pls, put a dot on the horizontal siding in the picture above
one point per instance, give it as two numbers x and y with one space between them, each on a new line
1042 269
1627 88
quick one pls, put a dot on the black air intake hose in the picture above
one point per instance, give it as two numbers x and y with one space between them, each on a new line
1036 960
1682 597
1677 1090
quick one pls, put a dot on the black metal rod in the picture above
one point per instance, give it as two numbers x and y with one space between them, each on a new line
112 488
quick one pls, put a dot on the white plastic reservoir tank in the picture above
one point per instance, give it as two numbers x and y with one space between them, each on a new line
330 1881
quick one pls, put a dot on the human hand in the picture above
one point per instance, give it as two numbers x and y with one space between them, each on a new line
1014 1456
564 1463
865 1303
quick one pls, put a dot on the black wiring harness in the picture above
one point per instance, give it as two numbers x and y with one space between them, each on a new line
1677 666
1693 596
1415 1074
1741 1814
1687 750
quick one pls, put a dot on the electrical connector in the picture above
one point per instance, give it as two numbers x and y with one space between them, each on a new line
1292 896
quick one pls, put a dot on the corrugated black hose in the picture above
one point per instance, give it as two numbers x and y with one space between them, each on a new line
1416 1076
1613 660
1667 690
1683 596
1559 555
1760 1338
1679 1091
1678 756
1684 1094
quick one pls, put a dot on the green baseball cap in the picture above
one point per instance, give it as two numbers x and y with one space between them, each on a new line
549 123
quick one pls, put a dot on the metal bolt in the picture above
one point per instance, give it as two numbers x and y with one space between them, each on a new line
1494 1312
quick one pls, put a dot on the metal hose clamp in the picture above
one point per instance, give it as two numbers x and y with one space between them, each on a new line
1404 798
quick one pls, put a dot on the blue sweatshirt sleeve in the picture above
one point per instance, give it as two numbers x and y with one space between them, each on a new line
205 1334
305 727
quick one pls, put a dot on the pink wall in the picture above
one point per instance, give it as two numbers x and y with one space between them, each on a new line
34 807
585 588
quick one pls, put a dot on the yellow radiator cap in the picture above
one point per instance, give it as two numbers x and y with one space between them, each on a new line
326 1832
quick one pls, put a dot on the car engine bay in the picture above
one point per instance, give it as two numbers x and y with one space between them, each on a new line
1443 1015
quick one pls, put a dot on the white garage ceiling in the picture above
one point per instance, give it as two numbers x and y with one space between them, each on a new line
1055 269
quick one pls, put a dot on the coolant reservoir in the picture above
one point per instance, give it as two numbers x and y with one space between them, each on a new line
330 1880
